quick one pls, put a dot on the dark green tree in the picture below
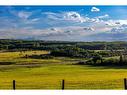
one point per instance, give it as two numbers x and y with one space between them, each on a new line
96 58
121 60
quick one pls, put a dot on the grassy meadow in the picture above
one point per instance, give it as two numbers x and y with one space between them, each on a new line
48 73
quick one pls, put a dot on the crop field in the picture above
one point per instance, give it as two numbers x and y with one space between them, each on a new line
48 73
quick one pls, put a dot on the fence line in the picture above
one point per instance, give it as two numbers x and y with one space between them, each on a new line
63 84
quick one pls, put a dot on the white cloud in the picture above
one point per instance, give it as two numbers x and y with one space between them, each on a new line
71 16
98 18
61 33
115 22
24 15
88 28
59 26
104 16
53 15
120 29
95 9
74 16
34 19
31 21
28 32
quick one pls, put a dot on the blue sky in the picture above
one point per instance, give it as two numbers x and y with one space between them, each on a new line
66 23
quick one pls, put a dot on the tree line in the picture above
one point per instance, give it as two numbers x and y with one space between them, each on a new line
10 44
94 52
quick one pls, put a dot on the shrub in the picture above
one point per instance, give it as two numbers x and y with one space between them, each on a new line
111 61
41 56
6 63
106 62
81 63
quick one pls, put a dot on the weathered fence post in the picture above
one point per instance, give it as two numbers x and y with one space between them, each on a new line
63 84
14 84
125 84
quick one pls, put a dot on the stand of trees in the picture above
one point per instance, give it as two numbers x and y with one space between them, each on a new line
93 51
98 60
72 52
8 44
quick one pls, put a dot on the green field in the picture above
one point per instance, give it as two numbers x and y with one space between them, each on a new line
48 73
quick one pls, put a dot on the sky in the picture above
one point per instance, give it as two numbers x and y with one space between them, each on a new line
64 23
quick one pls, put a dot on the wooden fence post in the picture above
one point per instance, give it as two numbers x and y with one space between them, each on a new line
14 85
63 84
125 84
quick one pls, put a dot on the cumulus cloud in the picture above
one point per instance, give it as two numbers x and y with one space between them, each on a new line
28 32
67 25
95 9
67 16
74 16
71 17
98 18
115 22
118 33
63 33
120 29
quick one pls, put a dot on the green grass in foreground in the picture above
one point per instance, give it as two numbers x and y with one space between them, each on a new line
49 73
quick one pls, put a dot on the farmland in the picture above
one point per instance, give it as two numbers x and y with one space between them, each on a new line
44 64
48 73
